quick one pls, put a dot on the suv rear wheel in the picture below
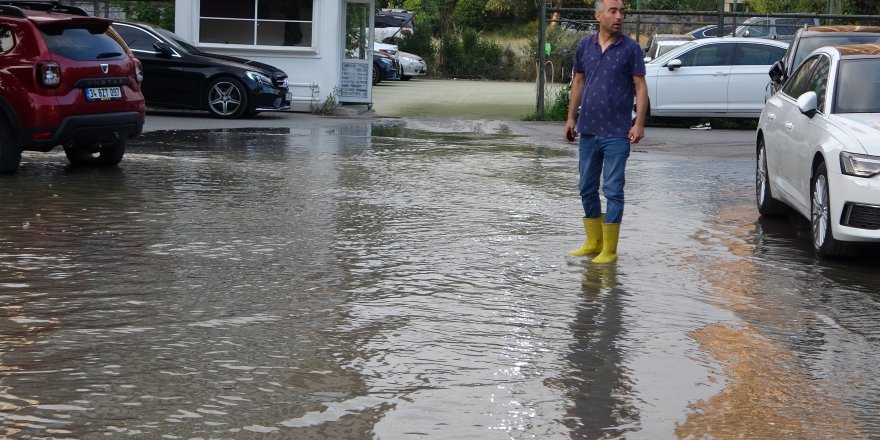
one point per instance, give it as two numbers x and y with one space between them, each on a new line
97 154
10 152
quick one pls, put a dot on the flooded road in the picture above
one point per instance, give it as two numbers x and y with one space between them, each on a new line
390 279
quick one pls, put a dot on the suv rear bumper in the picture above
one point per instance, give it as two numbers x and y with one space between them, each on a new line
86 128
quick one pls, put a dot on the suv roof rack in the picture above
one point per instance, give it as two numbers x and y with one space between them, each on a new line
15 8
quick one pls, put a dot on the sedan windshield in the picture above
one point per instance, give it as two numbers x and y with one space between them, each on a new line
858 86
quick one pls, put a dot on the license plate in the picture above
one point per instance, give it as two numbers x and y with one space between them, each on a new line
103 93
289 96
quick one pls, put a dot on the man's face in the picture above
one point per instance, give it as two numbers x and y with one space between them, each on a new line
611 17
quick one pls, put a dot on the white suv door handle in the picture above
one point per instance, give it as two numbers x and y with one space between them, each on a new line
789 125
771 116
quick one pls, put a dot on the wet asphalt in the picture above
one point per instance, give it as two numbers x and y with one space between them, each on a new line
378 276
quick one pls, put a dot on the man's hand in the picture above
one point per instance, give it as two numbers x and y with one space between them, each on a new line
569 133
636 133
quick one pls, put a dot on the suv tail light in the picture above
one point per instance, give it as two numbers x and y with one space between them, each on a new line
138 71
49 74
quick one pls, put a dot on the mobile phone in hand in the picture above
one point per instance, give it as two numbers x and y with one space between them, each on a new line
569 136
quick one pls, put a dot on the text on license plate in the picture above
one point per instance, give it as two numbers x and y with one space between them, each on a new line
103 93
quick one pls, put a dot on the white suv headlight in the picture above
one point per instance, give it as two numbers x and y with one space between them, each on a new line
860 165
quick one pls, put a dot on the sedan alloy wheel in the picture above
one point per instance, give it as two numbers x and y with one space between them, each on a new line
820 217
767 205
227 98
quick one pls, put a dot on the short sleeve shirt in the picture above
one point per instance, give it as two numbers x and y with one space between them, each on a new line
609 91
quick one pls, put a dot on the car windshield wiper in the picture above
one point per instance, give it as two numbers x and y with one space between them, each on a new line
108 55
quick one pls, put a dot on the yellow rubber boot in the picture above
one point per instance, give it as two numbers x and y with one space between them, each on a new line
593 243
610 234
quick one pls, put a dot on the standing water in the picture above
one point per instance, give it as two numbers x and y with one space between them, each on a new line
389 280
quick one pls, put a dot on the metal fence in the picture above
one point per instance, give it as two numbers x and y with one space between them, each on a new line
642 24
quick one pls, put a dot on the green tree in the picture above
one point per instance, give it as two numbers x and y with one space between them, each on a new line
859 7
521 8
470 14
159 13
801 6
681 5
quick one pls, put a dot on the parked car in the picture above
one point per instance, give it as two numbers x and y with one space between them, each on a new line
407 18
180 75
818 148
411 66
65 79
384 68
809 39
390 29
662 47
773 28
708 31
654 43
386 62
723 77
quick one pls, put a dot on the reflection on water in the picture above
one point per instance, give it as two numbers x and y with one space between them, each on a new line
391 280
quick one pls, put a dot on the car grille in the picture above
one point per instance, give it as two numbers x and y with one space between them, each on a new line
861 216
280 81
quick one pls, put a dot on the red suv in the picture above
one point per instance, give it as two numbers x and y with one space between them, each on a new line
65 79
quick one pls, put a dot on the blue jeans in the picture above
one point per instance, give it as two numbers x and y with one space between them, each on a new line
606 155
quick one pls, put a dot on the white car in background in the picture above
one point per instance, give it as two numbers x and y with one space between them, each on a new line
411 65
664 46
818 148
393 25
712 77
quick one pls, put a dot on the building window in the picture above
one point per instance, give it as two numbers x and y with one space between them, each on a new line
257 22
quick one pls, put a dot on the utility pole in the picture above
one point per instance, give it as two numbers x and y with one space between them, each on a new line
542 30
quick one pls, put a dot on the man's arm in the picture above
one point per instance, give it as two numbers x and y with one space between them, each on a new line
637 132
574 104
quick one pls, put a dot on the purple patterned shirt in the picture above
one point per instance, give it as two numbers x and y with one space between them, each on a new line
607 100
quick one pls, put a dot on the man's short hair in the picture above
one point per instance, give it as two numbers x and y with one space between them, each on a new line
599 5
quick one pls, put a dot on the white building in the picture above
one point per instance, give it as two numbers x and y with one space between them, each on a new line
321 44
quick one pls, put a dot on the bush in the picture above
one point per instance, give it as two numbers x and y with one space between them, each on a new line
466 55
555 105
419 43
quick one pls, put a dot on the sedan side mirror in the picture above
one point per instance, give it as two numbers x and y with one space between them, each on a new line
808 103
674 64
163 48
777 70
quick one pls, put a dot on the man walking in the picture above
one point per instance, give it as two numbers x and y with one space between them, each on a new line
609 72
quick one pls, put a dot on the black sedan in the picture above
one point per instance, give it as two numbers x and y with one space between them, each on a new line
384 67
180 75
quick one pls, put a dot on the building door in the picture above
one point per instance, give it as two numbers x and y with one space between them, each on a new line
356 74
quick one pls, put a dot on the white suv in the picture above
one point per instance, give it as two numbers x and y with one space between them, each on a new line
774 28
